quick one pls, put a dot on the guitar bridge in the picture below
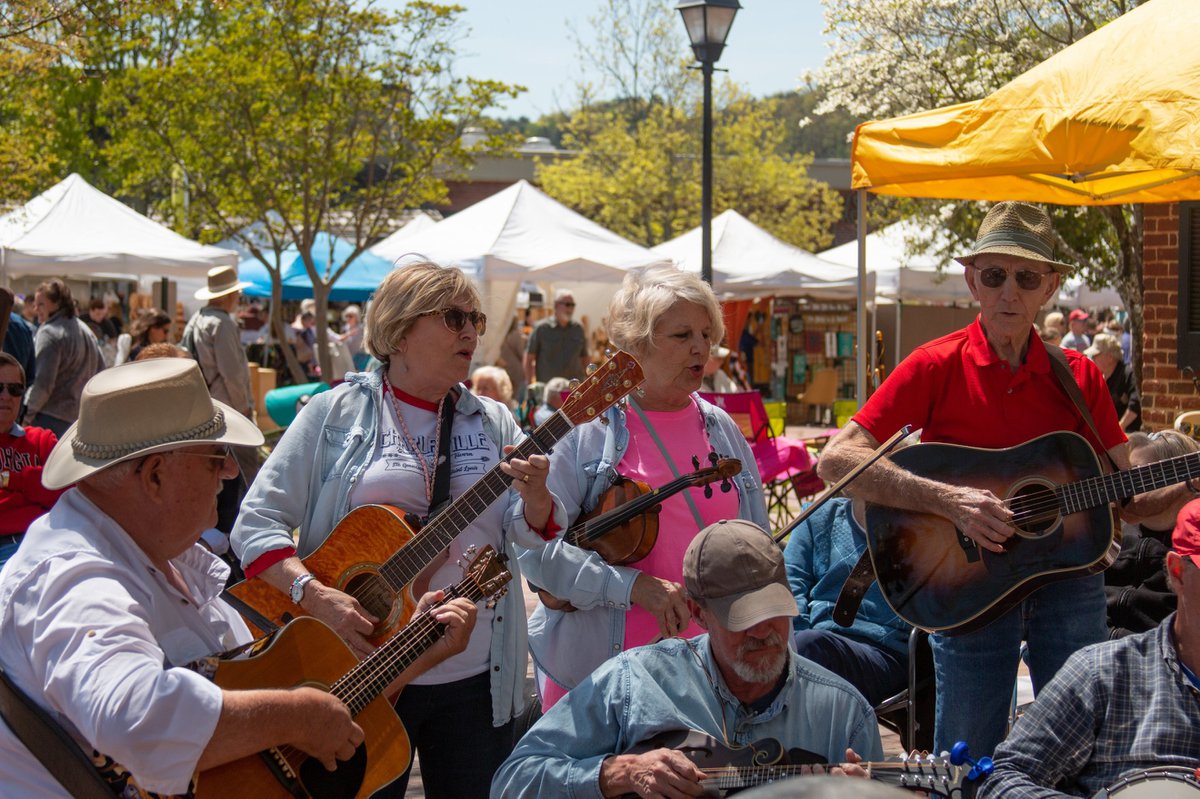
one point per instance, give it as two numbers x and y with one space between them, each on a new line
969 547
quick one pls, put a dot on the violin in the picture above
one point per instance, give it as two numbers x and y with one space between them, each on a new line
623 526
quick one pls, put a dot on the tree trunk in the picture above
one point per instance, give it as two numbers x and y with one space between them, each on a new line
279 329
324 359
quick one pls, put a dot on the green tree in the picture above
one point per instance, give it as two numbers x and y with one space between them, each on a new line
287 116
638 169
888 59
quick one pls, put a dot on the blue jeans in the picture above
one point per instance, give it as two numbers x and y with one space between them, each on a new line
977 672
875 671
450 727
7 551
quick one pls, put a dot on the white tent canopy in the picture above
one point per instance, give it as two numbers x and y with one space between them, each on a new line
748 260
520 234
75 229
901 276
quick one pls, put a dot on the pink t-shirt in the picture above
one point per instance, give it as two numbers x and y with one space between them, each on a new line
682 433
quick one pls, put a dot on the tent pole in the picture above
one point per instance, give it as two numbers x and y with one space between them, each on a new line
863 342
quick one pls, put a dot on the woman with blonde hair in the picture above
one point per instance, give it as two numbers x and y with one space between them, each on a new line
670 321
377 439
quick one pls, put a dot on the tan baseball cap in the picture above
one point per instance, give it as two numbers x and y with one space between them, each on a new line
735 569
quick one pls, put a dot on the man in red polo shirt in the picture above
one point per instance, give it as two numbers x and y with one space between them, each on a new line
989 385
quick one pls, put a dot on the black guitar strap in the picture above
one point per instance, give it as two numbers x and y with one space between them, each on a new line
441 472
1058 363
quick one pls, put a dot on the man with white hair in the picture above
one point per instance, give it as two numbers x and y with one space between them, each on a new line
738 684
109 597
557 346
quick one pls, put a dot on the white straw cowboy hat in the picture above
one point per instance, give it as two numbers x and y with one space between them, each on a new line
1016 228
139 408
222 280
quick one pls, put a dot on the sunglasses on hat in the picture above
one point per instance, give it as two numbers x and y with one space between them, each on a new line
994 277
456 319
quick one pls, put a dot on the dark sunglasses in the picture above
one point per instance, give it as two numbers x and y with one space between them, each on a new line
13 389
994 276
565 304
456 320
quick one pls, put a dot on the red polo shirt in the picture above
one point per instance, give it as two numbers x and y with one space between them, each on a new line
959 391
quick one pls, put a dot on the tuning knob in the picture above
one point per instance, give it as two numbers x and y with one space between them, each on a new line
960 754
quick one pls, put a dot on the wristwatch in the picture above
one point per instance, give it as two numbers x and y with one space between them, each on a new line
4 477
296 592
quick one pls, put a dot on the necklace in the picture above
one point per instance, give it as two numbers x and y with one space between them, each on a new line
427 469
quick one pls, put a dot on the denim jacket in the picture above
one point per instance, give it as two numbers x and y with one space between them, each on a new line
306 484
567 646
676 685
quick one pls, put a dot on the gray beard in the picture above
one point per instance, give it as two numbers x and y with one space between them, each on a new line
768 670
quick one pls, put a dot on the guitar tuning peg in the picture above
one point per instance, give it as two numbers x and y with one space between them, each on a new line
695 463
609 352
574 384
708 492
591 369
641 392
604 421
726 486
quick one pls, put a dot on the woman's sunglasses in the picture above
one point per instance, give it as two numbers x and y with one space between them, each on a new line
13 389
994 276
456 320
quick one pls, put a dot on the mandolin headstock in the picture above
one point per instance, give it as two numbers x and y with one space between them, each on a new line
614 378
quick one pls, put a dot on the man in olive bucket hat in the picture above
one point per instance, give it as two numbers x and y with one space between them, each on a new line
109 597
989 385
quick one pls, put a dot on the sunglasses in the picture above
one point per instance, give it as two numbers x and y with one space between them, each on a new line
456 320
565 304
994 276
13 389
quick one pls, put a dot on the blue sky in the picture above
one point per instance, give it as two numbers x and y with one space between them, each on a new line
527 42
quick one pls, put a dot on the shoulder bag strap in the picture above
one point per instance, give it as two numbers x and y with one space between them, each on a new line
1058 363
50 744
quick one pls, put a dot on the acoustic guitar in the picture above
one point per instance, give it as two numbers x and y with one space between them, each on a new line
375 553
937 579
766 761
306 652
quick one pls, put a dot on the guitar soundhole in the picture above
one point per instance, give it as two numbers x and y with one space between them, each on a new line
342 783
372 593
1035 510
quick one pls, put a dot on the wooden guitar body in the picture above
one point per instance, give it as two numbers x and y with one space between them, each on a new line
307 653
936 579
350 560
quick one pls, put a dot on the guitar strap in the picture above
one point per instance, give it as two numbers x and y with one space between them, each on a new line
50 744
441 472
1058 363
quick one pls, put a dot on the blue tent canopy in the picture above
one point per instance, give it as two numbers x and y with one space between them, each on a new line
329 253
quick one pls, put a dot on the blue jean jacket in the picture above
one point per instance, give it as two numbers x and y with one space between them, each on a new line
676 685
567 646
306 484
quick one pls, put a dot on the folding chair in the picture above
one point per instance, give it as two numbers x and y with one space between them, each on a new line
910 713
785 464
820 394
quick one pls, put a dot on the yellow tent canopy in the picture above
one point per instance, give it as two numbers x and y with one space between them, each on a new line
1112 119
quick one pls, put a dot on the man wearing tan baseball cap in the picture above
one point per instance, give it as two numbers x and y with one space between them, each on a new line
737 684
1118 710
109 596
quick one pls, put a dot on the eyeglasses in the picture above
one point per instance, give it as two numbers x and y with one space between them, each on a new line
565 304
224 455
994 276
13 389
456 319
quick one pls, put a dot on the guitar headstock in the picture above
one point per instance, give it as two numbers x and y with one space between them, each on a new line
486 575
723 469
923 772
614 378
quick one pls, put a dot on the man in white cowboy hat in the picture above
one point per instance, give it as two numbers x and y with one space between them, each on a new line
737 684
213 339
109 597
989 385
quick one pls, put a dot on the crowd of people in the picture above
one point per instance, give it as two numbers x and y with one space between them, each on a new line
714 640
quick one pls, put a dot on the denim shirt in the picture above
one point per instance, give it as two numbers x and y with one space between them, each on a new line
819 555
306 484
676 685
567 646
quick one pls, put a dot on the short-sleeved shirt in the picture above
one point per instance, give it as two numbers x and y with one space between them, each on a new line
959 391
559 349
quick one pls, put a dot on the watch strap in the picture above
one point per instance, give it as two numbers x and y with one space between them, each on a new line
296 593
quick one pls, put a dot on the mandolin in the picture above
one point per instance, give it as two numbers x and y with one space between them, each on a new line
623 527
306 652
729 768
935 578
374 553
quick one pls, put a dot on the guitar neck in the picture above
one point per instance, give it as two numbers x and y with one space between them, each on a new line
403 567
1118 486
366 681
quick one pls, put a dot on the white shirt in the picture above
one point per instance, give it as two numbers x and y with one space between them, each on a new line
92 631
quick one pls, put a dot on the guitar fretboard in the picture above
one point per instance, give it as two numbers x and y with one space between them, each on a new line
1105 488
403 567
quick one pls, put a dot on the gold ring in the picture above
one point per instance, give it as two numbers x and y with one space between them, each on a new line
525 478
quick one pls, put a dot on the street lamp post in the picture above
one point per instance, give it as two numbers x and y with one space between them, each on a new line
708 23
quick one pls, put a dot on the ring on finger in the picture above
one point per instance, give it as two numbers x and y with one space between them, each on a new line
524 478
